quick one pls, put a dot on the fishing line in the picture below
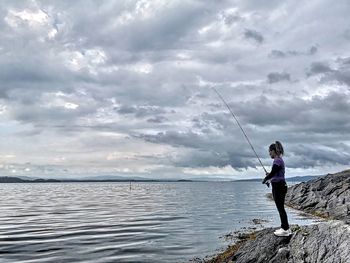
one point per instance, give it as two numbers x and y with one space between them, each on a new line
245 135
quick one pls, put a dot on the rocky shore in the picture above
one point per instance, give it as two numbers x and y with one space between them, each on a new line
327 241
327 196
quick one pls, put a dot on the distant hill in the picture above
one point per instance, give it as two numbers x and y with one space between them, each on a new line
27 178
7 179
304 178
11 179
184 180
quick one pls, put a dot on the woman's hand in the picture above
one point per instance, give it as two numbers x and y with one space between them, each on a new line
265 179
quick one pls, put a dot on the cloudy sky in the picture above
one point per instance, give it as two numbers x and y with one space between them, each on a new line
124 87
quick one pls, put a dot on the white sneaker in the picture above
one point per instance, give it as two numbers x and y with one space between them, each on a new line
282 233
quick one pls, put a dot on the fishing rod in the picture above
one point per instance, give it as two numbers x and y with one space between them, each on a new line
245 135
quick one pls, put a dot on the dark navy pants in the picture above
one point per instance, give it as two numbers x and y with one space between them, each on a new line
279 190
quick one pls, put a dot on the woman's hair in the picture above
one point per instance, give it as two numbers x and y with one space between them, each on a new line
277 147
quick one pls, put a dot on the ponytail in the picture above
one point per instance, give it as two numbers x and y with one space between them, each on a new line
277 147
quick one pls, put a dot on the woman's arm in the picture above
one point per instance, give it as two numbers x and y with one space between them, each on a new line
275 169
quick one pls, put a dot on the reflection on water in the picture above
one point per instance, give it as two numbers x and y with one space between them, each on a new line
108 222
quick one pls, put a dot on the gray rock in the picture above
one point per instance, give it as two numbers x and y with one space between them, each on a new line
262 249
328 196
324 242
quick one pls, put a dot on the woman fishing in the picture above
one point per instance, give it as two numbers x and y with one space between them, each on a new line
279 186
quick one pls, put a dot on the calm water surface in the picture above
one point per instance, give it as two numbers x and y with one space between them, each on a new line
108 222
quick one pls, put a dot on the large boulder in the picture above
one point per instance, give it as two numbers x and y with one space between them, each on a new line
327 196
325 242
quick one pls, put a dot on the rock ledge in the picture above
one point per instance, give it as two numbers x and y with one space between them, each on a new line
326 242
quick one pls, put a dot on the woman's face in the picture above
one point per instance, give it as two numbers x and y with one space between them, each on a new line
272 153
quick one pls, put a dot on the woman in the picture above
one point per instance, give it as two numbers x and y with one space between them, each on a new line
279 186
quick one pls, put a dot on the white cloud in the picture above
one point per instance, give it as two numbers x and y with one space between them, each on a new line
145 68
90 59
31 18
209 171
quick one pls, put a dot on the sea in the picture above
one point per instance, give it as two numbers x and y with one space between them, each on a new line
123 222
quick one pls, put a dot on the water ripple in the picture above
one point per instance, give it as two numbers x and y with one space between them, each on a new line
108 222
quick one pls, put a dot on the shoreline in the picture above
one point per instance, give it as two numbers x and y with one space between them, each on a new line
241 236
325 241
244 236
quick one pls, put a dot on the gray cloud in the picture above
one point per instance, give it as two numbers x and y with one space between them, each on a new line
165 29
254 35
217 159
158 119
205 150
339 73
293 119
319 67
318 115
85 83
314 155
274 77
230 19
277 54
313 50
141 111
290 53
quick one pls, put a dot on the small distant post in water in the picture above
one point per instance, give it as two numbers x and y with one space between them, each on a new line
130 185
